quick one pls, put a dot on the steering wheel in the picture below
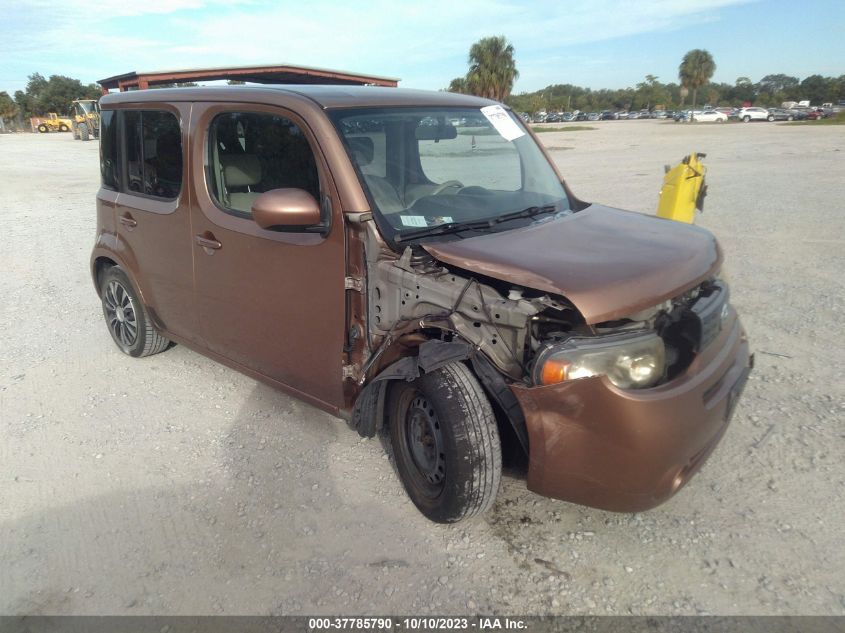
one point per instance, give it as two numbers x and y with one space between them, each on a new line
446 185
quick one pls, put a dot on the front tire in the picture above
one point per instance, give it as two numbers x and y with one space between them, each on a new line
446 443
63 128
83 132
126 318
746 119
770 118
43 129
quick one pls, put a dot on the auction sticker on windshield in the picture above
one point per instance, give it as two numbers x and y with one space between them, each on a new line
414 220
500 120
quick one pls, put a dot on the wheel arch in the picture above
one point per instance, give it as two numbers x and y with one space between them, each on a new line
368 412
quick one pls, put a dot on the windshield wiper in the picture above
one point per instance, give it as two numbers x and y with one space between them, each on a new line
487 223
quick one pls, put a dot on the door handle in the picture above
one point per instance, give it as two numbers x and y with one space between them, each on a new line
207 241
128 221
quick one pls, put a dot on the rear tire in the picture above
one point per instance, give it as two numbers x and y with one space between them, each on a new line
770 118
446 443
43 129
63 128
746 119
126 318
83 132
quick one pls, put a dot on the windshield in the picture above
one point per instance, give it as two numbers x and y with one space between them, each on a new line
432 167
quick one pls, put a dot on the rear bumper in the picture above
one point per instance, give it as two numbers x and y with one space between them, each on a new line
626 451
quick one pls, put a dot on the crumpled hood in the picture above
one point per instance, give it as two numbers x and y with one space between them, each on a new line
609 263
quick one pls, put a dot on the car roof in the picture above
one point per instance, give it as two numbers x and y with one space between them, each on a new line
326 96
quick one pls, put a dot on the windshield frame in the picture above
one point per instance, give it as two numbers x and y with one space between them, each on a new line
568 201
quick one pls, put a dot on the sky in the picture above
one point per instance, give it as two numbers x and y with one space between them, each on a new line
592 43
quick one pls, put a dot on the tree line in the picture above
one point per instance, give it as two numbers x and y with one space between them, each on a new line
492 72
43 96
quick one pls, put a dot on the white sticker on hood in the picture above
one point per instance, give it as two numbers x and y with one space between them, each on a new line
501 120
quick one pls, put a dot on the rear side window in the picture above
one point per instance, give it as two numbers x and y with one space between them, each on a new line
252 152
109 165
153 153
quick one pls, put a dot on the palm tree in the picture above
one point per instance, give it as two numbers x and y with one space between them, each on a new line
458 84
695 71
492 69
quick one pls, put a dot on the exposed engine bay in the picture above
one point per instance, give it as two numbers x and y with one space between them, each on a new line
512 326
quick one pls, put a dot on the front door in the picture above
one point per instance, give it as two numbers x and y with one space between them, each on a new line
270 301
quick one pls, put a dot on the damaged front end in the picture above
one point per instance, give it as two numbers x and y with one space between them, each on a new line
616 414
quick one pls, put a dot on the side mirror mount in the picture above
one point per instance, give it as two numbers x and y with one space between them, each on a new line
291 210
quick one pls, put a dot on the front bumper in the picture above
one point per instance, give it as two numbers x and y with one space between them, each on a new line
596 445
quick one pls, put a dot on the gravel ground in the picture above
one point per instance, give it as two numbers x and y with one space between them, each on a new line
173 485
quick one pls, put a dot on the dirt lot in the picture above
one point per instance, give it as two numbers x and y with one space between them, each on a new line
174 485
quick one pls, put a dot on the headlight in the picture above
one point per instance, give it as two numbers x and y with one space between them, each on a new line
629 361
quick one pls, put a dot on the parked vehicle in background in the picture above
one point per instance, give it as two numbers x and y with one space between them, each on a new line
86 119
798 114
553 117
51 123
581 116
814 115
608 115
321 240
659 114
681 116
622 114
780 114
753 113
710 116
567 117
539 117
525 117
633 115
593 116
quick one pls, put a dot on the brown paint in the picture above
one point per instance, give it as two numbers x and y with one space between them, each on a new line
629 451
609 263
290 307
285 207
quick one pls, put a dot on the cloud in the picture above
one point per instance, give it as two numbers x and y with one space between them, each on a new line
424 43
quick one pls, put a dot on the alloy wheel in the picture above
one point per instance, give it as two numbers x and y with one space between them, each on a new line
120 314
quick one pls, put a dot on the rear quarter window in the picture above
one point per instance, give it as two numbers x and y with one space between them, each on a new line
109 162
153 153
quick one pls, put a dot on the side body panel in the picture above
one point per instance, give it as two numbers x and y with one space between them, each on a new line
272 302
153 238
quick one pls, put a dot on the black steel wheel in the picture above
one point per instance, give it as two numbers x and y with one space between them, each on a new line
126 318
445 443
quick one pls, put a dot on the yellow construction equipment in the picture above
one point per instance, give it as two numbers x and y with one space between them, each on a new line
86 119
683 189
51 123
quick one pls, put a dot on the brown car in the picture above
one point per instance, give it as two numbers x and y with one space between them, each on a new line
413 261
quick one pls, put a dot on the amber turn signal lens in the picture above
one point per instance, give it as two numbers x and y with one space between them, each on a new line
554 371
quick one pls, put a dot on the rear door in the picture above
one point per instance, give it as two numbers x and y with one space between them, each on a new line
271 302
153 211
